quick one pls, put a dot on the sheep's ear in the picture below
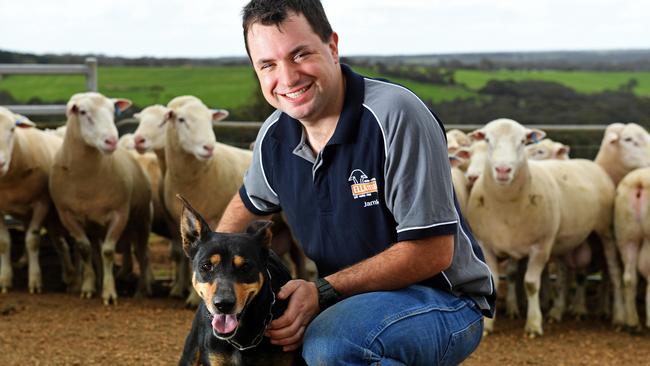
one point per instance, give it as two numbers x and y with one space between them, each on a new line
455 161
613 132
72 109
261 229
563 152
219 115
121 104
194 229
464 153
534 135
477 135
168 116
24 122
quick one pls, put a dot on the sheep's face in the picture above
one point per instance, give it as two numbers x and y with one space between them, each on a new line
547 149
150 134
476 162
9 123
506 140
96 116
456 139
634 146
194 128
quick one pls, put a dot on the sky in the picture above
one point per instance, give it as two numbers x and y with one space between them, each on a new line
212 28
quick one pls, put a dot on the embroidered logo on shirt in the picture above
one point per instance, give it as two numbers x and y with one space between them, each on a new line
361 185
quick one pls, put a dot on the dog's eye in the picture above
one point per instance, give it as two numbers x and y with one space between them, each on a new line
207 267
245 267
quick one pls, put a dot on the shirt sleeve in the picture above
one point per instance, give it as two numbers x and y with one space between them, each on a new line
256 192
419 190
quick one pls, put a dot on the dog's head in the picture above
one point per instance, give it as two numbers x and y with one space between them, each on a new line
228 269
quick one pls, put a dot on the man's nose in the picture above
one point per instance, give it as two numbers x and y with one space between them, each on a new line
289 75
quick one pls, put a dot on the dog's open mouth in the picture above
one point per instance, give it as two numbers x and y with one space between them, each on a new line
225 324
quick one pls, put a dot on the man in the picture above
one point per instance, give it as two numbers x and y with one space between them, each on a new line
360 169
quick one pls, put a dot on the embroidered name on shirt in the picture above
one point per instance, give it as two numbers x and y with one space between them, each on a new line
361 185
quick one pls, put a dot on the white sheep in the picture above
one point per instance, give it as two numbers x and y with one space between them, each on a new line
206 172
456 159
478 153
100 191
457 139
150 137
518 208
624 147
26 156
548 149
632 224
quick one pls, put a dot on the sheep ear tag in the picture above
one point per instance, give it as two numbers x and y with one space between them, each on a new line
23 122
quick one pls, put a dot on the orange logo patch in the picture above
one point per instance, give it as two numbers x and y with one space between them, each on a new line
361 185
364 188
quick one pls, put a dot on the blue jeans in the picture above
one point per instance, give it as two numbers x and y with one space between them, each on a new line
417 325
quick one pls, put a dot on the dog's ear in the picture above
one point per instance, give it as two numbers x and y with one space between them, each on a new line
261 229
193 228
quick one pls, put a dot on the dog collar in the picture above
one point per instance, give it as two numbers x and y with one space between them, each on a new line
258 338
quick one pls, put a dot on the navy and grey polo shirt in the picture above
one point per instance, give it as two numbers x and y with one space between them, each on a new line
383 177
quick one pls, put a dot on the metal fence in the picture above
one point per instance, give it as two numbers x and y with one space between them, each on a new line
584 140
88 69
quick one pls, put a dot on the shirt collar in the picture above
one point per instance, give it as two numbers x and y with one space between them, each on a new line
290 131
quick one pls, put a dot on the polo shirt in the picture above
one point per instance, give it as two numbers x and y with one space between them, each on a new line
383 177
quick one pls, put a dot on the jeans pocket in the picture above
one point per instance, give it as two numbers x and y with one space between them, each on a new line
462 343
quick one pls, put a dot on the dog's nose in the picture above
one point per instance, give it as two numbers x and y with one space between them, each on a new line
225 306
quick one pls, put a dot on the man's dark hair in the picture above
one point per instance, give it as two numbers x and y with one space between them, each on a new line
274 12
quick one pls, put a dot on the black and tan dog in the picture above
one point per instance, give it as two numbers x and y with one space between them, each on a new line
237 276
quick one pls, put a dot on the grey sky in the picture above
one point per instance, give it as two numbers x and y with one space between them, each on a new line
211 28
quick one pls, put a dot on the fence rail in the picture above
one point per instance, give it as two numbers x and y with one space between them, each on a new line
88 69
584 140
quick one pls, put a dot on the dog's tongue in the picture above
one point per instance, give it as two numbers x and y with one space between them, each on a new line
224 324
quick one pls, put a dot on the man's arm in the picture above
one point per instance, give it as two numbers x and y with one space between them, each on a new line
236 217
401 265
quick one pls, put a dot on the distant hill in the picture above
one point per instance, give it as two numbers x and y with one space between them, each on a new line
613 60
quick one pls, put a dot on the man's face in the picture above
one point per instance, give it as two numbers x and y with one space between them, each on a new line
298 73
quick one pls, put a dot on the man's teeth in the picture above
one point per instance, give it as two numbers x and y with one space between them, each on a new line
297 93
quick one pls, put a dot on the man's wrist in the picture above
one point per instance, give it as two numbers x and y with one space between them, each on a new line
327 295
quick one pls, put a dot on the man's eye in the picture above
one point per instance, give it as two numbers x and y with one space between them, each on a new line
300 56
265 66
207 267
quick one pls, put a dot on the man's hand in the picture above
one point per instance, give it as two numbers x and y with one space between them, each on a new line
288 330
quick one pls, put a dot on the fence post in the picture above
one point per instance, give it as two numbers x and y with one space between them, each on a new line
91 74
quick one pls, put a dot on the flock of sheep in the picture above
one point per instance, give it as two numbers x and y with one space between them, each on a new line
84 187
525 198
521 194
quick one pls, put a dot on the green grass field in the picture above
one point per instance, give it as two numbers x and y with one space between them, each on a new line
581 81
223 87
232 86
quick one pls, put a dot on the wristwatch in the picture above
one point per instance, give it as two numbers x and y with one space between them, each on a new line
327 295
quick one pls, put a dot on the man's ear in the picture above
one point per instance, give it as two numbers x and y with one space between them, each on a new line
333 45
194 228
261 229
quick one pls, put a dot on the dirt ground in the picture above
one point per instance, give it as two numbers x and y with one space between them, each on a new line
55 328
61 329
